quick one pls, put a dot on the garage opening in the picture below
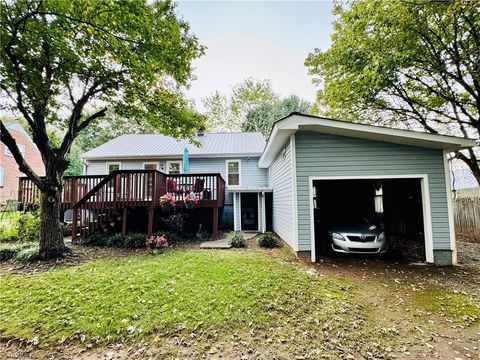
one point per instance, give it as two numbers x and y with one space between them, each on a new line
369 217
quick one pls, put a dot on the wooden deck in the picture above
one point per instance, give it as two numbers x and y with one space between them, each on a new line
98 200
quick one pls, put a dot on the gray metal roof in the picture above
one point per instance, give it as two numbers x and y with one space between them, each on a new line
159 146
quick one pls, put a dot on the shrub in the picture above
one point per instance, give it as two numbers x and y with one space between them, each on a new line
28 225
116 240
8 234
24 228
201 234
134 241
98 238
27 254
268 240
7 253
130 241
157 243
175 223
172 237
238 241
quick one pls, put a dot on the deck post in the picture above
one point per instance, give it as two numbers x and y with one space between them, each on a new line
124 221
215 223
74 224
150 222
73 192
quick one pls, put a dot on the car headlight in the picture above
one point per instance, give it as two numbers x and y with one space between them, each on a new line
381 237
337 236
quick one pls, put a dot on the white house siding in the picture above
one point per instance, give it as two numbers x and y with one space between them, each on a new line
281 182
95 168
330 155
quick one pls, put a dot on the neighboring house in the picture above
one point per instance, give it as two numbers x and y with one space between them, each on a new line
9 173
310 168
233 155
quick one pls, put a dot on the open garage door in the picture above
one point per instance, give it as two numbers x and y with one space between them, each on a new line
370 216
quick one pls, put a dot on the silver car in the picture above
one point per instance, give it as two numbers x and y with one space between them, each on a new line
357 236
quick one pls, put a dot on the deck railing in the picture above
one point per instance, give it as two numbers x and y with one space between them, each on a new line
210 188
106 202
103 204
100 200
74 188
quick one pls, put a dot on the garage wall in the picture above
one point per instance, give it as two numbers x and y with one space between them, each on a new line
281 182
331 155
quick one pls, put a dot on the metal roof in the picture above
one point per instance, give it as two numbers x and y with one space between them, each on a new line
160 146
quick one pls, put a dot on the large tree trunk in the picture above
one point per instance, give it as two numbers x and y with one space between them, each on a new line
51 234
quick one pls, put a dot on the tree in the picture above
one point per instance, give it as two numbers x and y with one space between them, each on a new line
112 126
66 63
263 116
413 64
228 113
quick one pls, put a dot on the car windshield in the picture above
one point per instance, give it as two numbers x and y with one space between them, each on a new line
349 219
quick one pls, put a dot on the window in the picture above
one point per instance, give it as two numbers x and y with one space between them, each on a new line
150 166
174 167
2 175
112 166
233 172
20 147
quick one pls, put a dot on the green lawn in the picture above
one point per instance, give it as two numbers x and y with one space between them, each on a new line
180 292
261 300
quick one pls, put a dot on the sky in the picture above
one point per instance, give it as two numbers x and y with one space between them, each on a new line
261 40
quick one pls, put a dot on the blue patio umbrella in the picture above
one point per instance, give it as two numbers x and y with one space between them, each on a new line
186 161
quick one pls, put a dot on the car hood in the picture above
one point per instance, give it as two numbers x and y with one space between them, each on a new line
367 229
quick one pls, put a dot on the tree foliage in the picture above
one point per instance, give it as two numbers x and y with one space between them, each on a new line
413 64
252 105
229 112
263 116
65 63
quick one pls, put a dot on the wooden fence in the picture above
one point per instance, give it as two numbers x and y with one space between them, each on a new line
467 217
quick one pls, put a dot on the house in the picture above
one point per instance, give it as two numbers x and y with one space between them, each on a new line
232 155
9 172
309 169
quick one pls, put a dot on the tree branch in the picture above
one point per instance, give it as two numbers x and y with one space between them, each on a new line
90 119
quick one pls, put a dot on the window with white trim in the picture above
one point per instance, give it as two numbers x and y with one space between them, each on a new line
174 167
150 166
233 172
20 147
112 166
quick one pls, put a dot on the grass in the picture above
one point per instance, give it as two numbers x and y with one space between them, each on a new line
180 292
252 299
456 306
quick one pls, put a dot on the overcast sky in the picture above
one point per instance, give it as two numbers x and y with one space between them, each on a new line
263 40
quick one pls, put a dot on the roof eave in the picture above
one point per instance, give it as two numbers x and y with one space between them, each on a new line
295 121
170 156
